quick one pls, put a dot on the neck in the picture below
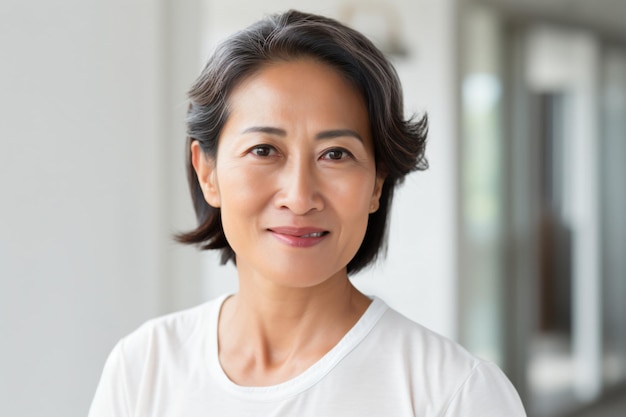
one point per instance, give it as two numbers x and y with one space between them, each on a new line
269 333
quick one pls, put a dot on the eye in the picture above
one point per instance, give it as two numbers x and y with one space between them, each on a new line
336 154
263 150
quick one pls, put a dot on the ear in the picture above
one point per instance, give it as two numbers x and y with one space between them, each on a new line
204 166
378 189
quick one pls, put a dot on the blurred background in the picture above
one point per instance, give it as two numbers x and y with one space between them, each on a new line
513 243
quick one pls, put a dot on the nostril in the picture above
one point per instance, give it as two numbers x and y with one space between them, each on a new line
300 200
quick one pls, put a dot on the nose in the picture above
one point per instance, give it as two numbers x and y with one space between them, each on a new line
299 189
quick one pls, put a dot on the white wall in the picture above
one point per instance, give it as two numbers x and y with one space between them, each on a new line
87 116
419 276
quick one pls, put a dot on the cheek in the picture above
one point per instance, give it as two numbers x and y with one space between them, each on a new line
242 195
356 193
352 203
354 213
238 183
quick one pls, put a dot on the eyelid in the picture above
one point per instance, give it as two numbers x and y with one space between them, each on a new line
272 150
347 153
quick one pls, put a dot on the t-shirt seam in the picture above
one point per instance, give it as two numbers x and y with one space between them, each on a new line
319 374
457 392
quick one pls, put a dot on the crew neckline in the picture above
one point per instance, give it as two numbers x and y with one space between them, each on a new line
311 376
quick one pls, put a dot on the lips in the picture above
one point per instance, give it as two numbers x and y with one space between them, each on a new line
299 236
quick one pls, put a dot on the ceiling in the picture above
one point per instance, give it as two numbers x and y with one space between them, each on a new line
606 17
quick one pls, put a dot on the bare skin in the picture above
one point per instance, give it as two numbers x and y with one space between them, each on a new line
271 339
295 179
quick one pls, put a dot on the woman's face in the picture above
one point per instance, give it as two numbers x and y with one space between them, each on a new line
294 176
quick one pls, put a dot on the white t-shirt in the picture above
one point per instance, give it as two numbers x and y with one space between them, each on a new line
386 365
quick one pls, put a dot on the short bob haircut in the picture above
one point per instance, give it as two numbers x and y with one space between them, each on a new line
398 143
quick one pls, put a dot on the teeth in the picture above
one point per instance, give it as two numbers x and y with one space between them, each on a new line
316 234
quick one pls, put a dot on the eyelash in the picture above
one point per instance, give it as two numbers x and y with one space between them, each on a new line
345 152
269 150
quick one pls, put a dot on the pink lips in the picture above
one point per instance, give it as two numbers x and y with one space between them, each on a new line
299 237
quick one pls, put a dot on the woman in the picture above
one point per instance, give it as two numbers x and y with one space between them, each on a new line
296 140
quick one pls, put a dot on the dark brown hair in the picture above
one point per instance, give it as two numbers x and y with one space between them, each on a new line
398 143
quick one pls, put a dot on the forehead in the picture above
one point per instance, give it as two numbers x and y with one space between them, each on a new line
302 89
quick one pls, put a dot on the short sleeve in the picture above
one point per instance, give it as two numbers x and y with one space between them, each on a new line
487 392
110 399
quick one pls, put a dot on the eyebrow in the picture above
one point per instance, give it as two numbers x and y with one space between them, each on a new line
326 134
265 129
337 133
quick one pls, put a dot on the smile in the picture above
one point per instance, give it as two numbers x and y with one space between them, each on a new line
314 234
299 237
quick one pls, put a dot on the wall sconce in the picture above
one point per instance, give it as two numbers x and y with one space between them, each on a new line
379 22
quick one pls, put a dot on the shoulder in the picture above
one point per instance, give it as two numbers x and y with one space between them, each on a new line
453 378
171 332
152 359
399 332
